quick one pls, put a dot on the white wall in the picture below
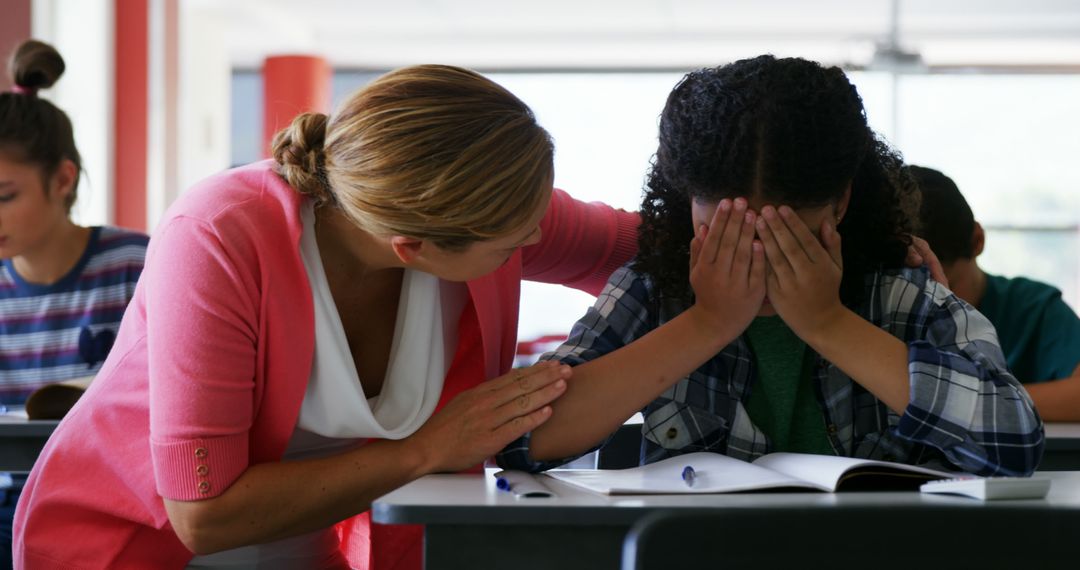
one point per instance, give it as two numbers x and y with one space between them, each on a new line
163 109
82 30
189 79
205 75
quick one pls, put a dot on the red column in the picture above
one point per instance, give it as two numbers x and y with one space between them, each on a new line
292 84
14 30
130 113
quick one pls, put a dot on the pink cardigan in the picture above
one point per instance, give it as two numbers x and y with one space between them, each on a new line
212 360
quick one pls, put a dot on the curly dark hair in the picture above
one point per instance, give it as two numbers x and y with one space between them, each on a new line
791 130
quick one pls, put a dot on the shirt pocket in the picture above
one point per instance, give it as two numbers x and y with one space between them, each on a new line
678 426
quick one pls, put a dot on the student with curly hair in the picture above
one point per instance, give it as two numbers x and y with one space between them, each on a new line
747 326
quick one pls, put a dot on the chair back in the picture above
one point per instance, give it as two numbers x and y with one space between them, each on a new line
980 535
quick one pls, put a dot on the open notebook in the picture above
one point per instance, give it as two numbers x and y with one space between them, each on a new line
715 473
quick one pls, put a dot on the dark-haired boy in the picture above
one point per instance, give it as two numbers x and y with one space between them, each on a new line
1038 331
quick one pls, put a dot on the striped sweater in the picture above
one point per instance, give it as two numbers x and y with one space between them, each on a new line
51 333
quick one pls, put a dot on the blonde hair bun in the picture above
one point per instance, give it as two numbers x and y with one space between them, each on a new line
298 150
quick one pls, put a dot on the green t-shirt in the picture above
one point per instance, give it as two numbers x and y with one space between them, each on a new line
1039 333
782 401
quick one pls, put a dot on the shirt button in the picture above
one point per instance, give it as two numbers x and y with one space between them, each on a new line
672 433
200 452
202 470
832 428
204 487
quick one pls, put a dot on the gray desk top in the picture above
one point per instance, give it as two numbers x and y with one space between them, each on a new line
1063 436
474 499
15 424
21 440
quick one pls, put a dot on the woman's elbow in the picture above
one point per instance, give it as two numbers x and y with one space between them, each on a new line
191 521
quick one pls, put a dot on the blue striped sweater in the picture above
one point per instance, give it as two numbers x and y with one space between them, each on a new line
51 333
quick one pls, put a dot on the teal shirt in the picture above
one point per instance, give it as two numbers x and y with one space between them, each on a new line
1039 333
782 401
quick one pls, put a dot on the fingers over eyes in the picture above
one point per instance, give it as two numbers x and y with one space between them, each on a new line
711 246
777 259
804 238
741 264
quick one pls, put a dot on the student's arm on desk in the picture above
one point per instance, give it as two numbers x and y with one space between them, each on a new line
1057 400
271 501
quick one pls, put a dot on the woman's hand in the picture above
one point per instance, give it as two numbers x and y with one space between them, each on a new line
727 269
804 275
481 421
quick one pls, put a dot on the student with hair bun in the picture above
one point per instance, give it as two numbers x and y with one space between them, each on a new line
315 330
63 287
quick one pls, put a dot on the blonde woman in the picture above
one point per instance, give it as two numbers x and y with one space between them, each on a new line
314 331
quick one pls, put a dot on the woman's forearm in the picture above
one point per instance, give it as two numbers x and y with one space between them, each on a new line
276 500
271 501
603 393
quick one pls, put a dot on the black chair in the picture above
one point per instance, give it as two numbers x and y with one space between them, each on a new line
877 538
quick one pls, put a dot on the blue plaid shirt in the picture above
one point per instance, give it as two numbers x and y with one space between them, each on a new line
966 410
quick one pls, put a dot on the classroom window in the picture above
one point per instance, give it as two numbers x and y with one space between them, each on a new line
1007 140
1010 143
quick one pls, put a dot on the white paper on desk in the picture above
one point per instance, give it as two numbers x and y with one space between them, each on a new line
722 474
828 472
715 474
524 486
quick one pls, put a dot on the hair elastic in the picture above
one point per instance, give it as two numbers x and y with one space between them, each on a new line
28 91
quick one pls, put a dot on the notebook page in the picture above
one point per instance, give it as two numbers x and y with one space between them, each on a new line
826 471
715 474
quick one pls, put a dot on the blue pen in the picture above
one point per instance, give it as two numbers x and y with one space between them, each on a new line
502 484
689 476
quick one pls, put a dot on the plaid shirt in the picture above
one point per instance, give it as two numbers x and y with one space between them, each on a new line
966 410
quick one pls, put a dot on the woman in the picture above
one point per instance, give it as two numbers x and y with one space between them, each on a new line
752 329
312 332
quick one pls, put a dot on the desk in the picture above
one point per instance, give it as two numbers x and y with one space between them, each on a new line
470 524
1062 447
21 440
